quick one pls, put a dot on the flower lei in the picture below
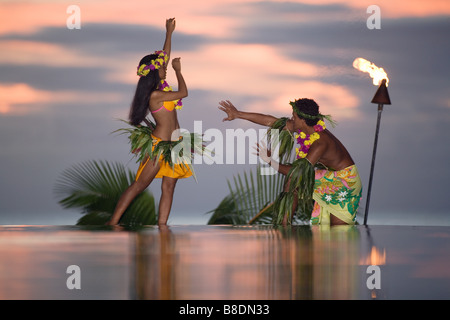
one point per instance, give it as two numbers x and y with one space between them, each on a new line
164 86
305 140
160 61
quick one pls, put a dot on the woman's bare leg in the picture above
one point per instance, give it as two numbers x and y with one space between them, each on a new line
165 203
147 175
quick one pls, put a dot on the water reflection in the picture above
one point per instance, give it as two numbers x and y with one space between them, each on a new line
226 262
300 262
34 262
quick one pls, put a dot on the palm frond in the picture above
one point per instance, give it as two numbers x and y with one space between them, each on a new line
283 139
140 138
250 192
96 186
226 213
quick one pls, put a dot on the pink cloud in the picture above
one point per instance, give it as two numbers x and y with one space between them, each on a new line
263 72
195 17
333 99
242 69
29 17
14 97
22 99
18 52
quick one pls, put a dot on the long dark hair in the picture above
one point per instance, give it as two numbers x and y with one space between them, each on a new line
145 86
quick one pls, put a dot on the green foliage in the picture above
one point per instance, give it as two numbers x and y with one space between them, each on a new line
285 140
301 186
249 194
225 213
173 152
265 199
252 200
140 138
95 188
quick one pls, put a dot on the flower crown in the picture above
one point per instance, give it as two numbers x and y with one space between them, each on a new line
319 116
160 61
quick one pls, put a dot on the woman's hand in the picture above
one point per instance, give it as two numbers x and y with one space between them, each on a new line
176 64
229 109
170 25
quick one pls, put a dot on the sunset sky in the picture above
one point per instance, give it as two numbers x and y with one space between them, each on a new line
61 91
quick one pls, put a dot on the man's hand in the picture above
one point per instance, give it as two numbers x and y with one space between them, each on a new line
170 25
263 153
229 109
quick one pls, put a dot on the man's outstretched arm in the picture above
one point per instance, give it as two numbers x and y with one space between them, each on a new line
233 113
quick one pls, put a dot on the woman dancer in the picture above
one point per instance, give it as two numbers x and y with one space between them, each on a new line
153 94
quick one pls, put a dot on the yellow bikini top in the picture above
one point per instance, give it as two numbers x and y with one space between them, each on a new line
168 105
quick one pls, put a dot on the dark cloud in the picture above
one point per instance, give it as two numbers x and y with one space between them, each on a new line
93 40
110 39
60 78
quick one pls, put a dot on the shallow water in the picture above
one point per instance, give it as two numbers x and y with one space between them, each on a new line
225 262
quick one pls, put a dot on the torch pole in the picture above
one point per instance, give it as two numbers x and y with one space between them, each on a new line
380 110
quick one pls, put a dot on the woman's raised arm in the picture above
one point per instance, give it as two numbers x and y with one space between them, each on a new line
170 27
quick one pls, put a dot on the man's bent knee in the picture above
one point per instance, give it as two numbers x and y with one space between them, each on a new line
336 221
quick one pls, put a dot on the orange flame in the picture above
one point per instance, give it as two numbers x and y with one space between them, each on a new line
377 74
376 257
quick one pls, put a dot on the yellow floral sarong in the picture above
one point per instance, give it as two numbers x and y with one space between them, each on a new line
337 193
178 171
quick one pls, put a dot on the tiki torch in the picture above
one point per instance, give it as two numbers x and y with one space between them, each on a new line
381 98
